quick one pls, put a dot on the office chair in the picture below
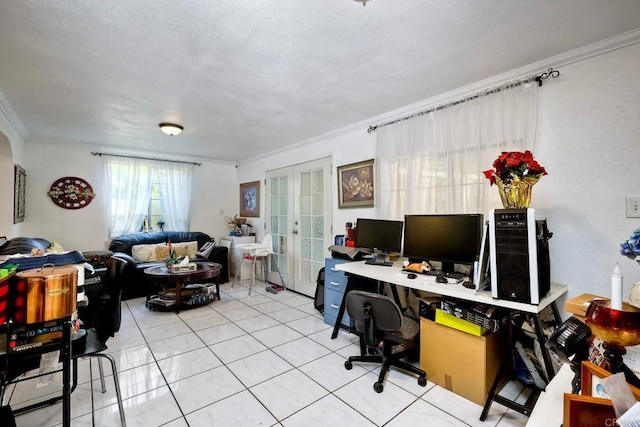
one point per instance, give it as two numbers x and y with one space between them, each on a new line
380 323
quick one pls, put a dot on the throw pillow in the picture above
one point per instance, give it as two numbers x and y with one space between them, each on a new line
192 249
181 249
55 247
162 253
144 253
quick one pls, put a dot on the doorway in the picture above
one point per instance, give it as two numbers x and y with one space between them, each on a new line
298 216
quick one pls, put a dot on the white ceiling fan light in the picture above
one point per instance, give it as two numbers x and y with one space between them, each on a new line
171 129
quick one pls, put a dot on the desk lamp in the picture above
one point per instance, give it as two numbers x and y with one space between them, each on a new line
617 329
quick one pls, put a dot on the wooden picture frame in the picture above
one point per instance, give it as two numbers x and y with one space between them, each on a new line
250 199
355 185
587 411
590 376
19 189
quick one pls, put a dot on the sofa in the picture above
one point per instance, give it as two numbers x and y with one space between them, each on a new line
143 250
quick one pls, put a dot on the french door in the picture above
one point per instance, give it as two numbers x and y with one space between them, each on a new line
298 212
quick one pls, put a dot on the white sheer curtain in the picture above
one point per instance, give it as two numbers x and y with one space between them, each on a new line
174 181
127 191
433 163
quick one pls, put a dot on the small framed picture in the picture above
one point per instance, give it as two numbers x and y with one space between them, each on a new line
20 185
580 411
355 185
591 376
250 199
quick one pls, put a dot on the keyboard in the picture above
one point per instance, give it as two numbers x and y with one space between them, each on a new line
378 262
450 275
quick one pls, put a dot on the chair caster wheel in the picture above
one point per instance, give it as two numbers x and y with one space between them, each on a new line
422 381
378 387
348 365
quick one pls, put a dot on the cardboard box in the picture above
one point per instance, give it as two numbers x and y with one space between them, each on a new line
454 322
460 362
578 305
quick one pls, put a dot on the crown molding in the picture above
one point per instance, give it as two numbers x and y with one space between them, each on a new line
570 57
12 116
573 56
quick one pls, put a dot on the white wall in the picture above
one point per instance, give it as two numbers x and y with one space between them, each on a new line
85 229
343 149
12 152
588 139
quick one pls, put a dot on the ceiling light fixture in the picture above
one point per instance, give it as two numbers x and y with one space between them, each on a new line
364 2
170 128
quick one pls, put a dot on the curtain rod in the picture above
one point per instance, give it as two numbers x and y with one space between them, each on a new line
539 78
93 153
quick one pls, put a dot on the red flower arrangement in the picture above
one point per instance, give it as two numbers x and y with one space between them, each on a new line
515 165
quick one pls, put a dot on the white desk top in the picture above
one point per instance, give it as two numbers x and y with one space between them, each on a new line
426 283
550 405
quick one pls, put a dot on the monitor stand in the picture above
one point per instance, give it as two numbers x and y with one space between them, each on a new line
381 256
448 267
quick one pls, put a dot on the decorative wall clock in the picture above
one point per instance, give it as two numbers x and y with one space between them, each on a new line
71 192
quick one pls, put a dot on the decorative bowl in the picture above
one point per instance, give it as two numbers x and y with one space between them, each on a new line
621 327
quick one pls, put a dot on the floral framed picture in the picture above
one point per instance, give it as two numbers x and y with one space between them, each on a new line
355 185
19 187
250 199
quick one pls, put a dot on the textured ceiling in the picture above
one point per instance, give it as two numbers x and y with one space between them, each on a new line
248 77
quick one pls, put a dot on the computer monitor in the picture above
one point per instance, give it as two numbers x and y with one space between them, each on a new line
449 239
380 235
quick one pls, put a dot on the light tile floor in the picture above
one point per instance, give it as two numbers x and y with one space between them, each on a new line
246 361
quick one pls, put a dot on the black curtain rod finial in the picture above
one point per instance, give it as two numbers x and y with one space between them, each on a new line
544 76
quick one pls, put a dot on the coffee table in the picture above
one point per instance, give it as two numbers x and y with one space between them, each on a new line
164 278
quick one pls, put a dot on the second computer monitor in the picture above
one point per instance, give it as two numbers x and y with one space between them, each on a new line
449 239
380 235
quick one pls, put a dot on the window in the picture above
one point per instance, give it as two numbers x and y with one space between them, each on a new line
141 192
433 163
154 220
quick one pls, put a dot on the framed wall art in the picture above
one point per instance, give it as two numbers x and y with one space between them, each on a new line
585 411
250 199
590 381
19 188
355 185
71 192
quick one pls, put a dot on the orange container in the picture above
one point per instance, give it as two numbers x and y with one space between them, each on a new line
44 294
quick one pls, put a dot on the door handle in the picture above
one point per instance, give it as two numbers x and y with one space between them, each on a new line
294 231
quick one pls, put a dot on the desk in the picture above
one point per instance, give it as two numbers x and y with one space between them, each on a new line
394 276
162 276
550 406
